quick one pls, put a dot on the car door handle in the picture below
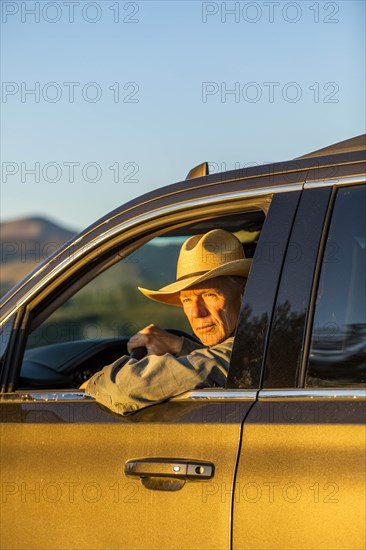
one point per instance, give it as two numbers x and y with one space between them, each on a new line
173 468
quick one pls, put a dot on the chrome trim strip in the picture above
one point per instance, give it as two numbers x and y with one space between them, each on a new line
151 215
212 394
215 394
311 394
336 182
47 396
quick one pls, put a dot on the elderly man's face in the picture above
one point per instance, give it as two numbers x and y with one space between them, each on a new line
212 308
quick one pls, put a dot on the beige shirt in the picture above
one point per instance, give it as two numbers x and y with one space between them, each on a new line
128 385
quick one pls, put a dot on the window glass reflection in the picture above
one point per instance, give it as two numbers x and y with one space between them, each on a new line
338 346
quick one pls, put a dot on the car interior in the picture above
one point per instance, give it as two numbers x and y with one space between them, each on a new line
59 355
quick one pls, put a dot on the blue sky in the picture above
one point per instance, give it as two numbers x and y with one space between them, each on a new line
128 96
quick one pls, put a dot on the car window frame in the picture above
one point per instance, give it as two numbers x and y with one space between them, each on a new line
27 311
314 293
295 370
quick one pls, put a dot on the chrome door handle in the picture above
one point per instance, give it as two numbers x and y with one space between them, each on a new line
173 468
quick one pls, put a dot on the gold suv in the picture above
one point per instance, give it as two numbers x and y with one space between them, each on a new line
274 460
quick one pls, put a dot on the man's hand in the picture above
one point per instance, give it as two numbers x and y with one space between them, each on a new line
156 341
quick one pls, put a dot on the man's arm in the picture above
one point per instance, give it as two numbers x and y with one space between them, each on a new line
188 346
128 385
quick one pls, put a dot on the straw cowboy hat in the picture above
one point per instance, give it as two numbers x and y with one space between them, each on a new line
203 257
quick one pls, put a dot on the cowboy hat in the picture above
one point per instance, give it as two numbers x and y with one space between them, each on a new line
203 257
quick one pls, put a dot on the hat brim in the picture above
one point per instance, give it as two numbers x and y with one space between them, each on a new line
170 294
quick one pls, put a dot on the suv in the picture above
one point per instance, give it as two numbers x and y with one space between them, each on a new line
274 460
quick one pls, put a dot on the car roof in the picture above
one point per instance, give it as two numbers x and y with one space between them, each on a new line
357 143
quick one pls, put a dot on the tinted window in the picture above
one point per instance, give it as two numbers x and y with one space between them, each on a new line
338 345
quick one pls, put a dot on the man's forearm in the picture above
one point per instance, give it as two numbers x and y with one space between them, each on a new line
128 385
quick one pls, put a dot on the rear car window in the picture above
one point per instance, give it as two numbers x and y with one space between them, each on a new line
338 343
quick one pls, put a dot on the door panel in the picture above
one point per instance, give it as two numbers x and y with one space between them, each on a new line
62 464
301 474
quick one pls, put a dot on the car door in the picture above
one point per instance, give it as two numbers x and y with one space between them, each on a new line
75 475
301 471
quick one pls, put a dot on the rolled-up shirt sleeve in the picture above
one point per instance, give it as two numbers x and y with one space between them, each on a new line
128 385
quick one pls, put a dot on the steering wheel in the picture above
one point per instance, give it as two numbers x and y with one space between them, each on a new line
139 353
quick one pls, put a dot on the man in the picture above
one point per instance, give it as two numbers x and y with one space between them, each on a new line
211 275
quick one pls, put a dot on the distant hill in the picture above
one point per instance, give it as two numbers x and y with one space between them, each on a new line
25 243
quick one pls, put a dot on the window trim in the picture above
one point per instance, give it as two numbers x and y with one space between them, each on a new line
350 181
314 290
312 394
71 395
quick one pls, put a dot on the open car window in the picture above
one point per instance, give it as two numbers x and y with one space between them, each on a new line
91 328
110 306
